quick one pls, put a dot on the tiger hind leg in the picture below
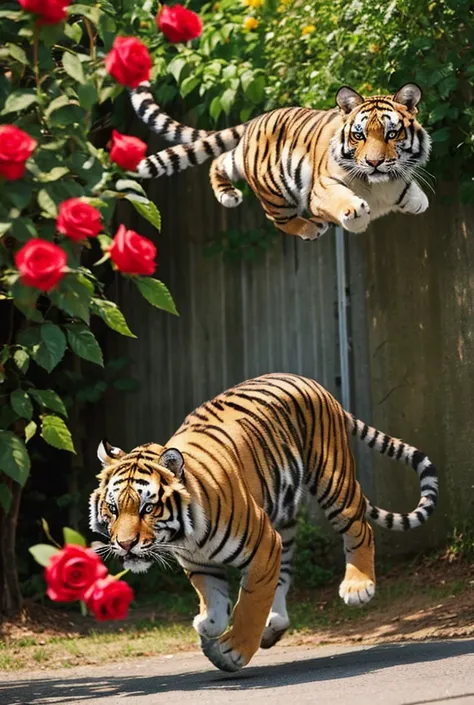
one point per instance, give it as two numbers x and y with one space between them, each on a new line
278 620
223 171
285 218
344 504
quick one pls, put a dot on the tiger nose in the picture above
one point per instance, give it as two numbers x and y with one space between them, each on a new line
128 545
375 162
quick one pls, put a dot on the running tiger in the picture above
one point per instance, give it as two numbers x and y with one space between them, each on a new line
346 166
225 491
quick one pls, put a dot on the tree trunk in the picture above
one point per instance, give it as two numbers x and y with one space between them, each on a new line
10 595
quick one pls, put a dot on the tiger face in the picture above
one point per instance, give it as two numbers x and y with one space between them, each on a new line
381 139
141 504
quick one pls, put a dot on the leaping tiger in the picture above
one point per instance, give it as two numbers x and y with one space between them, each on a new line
225 491
348 165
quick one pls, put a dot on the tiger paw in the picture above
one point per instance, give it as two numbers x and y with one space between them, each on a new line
221 653
213 623
415 201
277 625
356 591
313 229
356 217
231 199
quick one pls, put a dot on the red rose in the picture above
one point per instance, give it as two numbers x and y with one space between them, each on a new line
127 151
71 572
129 61
41 264
109 598
16 147
132 253
178 24
48 11
78 219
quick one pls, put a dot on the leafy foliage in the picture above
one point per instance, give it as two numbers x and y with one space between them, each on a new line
54 87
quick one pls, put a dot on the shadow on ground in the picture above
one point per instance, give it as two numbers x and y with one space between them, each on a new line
340 666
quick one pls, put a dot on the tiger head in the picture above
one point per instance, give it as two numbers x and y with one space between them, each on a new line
381 139
141 504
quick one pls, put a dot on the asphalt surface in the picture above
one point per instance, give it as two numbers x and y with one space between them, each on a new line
394 674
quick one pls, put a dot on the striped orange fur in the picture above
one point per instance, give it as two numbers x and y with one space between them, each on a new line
308 168
225 491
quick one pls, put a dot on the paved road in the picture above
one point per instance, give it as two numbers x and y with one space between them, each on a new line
399 674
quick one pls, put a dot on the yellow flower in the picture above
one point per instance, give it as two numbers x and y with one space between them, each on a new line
307 29
250 23
253 3
374 48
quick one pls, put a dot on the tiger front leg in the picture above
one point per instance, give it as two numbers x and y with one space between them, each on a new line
257 589
338 204
215 606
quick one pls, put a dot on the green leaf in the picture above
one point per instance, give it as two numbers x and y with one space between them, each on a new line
55 104
16 52
71 536
156 293
54 175
56 433
92 13
25 299
87 95
188 85
21 360
21 404
42 552
47 204
228 99
175 67
53 346
30 430
73 296
48 399
148 211
112 315
18 192
4 228
14 458
5 497
255 90
73 67
19 100
215 108
83 343
73 31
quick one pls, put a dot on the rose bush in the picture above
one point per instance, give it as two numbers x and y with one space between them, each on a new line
57 205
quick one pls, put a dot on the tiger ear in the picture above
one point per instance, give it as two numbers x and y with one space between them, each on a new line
408 95
348 99
108 453
173 461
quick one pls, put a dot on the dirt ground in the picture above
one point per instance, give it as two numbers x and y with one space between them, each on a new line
432 598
